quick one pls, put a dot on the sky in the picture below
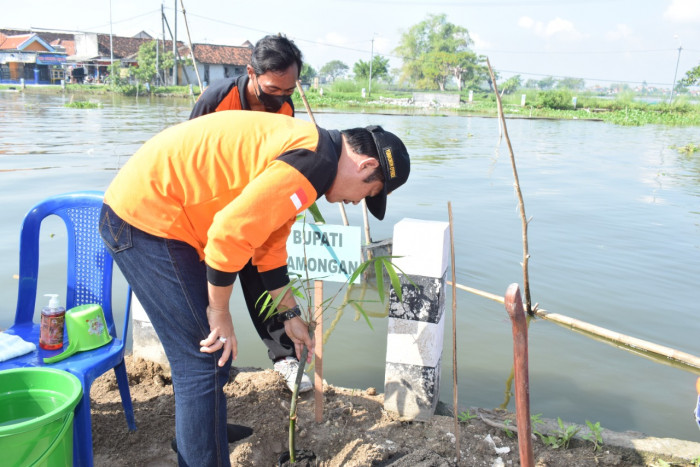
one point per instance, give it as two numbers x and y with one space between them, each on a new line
602 41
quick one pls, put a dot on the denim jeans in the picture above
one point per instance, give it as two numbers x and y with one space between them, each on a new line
170 281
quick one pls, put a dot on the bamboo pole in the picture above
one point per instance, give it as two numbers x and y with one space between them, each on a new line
521 203
318 359
189 39
628 342
313 120
454 333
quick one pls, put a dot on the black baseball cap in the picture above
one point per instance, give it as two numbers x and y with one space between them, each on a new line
395 163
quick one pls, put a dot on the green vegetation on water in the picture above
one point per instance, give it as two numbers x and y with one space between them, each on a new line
342 95
83 105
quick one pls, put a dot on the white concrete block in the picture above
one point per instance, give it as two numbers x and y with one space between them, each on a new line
422 247
414 342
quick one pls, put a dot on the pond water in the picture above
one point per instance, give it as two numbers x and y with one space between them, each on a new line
614 240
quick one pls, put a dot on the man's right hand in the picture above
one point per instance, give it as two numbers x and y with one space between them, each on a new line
297 330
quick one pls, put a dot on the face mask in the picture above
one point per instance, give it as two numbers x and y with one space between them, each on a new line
271 102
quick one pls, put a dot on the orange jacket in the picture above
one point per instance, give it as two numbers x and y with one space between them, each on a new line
225 94
230 184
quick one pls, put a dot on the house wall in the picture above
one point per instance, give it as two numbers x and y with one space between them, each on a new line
35 47
86 45
210 73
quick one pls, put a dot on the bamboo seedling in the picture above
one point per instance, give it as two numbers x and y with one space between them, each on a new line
302 288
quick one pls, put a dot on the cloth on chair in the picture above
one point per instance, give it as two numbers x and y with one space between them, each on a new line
12 346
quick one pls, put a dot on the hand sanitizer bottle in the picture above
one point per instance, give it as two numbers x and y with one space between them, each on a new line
52 318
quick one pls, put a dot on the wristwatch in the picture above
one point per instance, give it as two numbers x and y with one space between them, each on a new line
289 314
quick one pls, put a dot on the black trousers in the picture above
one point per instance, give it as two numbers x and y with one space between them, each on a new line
270 331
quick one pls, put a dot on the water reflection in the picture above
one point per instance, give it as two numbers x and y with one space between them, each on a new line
614 241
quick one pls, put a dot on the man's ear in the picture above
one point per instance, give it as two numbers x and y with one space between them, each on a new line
369 163
249 70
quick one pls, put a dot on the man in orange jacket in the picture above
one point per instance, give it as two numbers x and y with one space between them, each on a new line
267 87
200 200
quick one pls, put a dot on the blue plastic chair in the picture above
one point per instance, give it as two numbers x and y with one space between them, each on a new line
89 280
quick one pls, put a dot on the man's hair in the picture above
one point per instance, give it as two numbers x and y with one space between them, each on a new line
361 141
275 53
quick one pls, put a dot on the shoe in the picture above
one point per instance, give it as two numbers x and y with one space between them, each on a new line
233 433
288 368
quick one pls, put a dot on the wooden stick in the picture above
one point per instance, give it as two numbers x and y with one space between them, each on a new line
514 307
629 343
343 215
318 365
521 203
189 39
454 333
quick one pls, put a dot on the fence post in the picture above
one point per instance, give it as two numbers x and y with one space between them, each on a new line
416 325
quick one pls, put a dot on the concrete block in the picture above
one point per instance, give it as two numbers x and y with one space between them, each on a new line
412 342
423 299
422 247
412 391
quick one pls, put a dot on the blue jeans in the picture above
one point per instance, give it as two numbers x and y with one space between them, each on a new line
170 281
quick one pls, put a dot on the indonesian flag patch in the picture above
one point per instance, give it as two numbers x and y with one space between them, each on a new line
298 198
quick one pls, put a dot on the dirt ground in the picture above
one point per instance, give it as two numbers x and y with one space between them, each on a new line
356 431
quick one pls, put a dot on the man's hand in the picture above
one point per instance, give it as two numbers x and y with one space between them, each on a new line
297 330
222 335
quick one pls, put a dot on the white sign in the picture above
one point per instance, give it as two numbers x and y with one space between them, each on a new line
332 252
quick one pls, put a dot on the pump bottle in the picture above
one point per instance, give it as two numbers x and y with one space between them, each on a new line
52 318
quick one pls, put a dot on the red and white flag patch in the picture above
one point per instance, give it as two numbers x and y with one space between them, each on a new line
298 198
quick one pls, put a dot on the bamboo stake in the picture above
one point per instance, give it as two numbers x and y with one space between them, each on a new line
313 120
521 203
189 39
454 334
318 360
628 342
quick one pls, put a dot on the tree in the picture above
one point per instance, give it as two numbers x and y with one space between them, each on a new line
146 69
546 83
575 84
511 85
308 73
428 50
335 69
692 77
380 69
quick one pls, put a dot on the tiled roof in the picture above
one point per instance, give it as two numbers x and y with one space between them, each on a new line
13 42
67 45
47 36
222 54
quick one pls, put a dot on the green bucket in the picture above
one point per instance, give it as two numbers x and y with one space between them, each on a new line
36 416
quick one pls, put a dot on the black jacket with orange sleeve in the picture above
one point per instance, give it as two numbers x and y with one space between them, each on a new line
229 94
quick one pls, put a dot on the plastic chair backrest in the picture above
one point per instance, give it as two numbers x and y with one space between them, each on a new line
89 265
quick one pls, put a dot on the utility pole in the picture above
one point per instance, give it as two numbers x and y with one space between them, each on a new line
175 46
371 59
680 47
162 25
111 48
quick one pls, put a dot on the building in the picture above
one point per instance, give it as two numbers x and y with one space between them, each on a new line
30 58
216 62
86 56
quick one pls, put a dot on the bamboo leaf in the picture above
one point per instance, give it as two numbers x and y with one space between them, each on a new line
379 274
361 310
394 278
316 213
359 271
